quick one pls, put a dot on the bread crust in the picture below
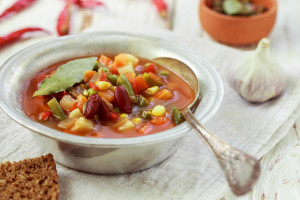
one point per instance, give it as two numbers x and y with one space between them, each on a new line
34 178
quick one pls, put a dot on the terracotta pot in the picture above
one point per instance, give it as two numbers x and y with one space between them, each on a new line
235 30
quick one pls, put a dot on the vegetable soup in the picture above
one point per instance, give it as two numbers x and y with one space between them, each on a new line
107 97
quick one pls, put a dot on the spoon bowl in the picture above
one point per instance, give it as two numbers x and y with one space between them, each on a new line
241 170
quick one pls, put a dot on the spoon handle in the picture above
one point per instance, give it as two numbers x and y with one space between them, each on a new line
241 170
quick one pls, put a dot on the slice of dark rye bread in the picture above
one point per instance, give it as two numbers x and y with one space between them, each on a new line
34 178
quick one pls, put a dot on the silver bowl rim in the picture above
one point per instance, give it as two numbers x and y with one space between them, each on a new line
169 134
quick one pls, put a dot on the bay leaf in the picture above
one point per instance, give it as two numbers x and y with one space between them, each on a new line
66 76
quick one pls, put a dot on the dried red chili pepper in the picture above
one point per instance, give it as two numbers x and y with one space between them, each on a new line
161 7
16 35
17 7
63 21
88 3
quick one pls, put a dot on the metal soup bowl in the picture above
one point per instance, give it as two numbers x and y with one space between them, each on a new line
102 155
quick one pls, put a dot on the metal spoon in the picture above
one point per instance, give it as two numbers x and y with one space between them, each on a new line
241 170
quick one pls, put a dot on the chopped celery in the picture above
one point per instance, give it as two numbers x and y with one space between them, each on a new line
56 109
84 107
104 69
146 114
177 116
91 91
143 102
112 78
122 80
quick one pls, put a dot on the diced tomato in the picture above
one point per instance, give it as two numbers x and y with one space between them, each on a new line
105 60
40 78
140 84
150 68
45 115
113 69
88 75
114 116
103 76
94 86
145 129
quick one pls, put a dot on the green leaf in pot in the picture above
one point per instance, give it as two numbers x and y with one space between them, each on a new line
66 76
232 7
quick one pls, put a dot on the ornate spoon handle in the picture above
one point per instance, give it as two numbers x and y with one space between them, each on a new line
241 170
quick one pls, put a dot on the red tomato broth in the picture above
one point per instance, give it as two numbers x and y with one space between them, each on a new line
183 96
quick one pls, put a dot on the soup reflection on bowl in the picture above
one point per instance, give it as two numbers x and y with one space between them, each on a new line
99 104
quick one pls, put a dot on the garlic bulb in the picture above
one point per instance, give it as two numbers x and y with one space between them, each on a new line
259 77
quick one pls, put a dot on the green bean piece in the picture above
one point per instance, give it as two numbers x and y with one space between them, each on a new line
91 91
151 81
176 116
164 73
104 69
113 79
84 107
147 64
146 114
56 109
122 81
143 102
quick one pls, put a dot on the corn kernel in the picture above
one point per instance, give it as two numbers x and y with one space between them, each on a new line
137 120
158 111
152 90
103 85
123 115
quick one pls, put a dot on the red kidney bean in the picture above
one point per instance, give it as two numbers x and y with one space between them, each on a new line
104 113
92 106
122 99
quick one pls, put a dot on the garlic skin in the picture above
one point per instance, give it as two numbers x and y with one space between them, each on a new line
259 77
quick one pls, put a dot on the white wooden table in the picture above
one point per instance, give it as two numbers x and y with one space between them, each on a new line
280 177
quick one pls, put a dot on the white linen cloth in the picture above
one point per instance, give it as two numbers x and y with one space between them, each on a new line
192 172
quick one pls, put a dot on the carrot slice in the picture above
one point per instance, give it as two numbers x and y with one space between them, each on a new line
159 120
88 75
141 84
105 60
145 129
164 95
130 77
